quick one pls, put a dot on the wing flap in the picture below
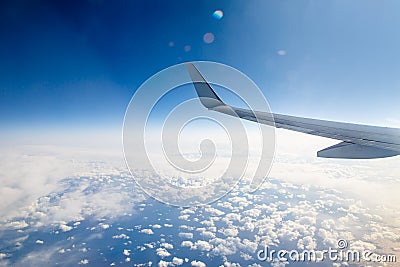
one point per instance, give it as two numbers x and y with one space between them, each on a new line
346 150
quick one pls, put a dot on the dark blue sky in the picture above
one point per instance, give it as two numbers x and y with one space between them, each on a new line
70 63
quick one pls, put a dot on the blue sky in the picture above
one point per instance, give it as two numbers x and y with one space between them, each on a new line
76 64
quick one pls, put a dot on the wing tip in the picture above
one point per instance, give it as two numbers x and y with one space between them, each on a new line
204 91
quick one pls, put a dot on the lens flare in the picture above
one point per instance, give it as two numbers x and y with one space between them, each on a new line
208 38
218 14
281 52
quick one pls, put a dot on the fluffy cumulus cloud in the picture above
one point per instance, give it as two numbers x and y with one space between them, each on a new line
208 234
177 261
65 228
230 231
147 231
104 225
162 252
282 215
186 235
84 261
163 263
126 252
188 244
196 263
203 245
285 215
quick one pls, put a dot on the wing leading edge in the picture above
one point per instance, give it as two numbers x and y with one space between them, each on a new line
358 141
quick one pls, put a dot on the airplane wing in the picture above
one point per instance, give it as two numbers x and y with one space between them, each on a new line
357 141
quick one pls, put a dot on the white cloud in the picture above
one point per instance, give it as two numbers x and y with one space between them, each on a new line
203 245
167 245
225 246
162 252
229 231
231 264
147 231
208 234
39 242
162 263
252 213
16 224
246 256
251 246
283 210
184 217
362 246
150 263
28 173
186 235
104 225
150 245
78 188
84 261
307 242
65 228
214 211
177 261
126 252
233 216
121 236
208 223
198 263
188 244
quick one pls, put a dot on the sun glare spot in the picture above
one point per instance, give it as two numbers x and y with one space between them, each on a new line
218 14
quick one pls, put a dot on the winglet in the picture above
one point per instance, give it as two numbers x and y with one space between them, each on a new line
207 96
